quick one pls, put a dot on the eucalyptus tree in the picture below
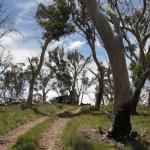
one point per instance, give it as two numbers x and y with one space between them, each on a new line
135 24
86 29
14 82
43 83
54 19
58 65
6 27
108 88
85 84
5 64
113 43
78 68
100 86
69 69
5 60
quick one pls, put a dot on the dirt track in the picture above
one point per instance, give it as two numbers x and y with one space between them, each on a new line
8 140
51 138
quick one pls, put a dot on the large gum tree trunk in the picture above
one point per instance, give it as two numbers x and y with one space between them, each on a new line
113 44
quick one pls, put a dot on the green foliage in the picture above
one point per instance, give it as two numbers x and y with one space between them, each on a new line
59 66
55 19
68 68
14 81
137 71
147 58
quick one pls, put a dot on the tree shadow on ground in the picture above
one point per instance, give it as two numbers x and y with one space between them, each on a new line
39 112
141 114
137 144
67 114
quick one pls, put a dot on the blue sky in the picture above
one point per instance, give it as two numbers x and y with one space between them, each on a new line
26 43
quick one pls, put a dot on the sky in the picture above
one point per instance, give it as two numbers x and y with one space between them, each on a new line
26 43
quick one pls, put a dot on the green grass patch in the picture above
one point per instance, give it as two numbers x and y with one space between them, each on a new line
29 141
74 138
13 116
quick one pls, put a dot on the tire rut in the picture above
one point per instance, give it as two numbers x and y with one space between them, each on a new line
8 140
51 138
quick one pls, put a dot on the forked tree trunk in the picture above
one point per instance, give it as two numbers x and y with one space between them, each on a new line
113 44
34 76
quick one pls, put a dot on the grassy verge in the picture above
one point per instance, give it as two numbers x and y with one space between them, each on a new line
12 117
29 141
74 137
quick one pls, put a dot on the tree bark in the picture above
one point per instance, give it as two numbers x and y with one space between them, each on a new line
101 77
99 94
44 95
149 99
34 76
137 92
30 95
113 44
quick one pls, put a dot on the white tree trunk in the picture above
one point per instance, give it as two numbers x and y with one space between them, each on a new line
115 50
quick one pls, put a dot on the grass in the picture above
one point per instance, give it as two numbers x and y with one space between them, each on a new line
74 138
13 116
29 141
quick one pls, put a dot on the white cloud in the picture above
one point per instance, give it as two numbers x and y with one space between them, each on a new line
51 94
75 45
55 44
44 1
21 54
11 40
